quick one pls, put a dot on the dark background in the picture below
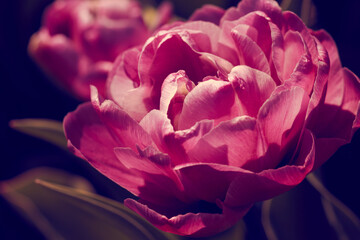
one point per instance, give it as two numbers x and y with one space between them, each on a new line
26 92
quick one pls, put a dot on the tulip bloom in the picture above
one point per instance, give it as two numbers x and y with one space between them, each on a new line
212 115
80 39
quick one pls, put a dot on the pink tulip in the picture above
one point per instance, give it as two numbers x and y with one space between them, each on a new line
206 119
80 39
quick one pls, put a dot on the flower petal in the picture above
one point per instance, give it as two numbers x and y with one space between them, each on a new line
123 76
236 142
190 224
122 127
208 13
175 85
247 83
250 187
244 186
250 53
208 100
294 49
90 139
157 125
281 120
172 52
330 45
294 23
270 7
160 183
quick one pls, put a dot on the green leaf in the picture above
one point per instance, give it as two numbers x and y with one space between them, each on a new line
45 129
65 212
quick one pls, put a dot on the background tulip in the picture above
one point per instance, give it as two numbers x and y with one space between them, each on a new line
80 39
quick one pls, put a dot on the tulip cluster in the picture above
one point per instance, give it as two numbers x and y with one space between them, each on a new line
204 117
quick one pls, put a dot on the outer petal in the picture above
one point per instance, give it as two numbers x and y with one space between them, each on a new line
208 13
269 183
157 125
208 100
270 7
281 120
236 142
250 53
90 139
294 23
191 224
303 75
243 186
122 127
207 28
330 45
294 49
255 25
321 79
339 119
161 185
340 123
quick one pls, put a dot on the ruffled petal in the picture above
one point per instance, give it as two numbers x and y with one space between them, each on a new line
321 80
294 23
173 92
281 120
208 100
330 46
122 127
123 76
250 53
161 185
89 138
247 83
339 119
158 126
208 13
236 142
250 187
166 54
244 186
190 224
294 49
255 25
210 30
175 144
269 7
